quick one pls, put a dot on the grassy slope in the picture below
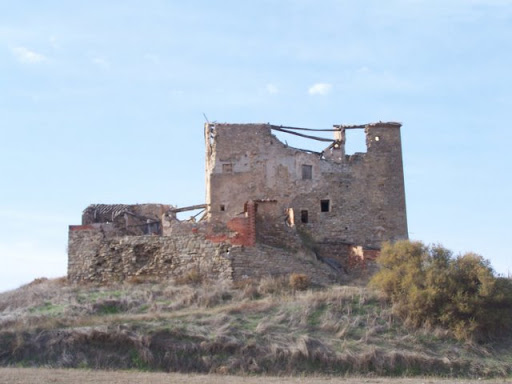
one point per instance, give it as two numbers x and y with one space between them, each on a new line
257 327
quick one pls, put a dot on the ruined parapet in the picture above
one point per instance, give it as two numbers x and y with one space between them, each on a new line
357 199
135 219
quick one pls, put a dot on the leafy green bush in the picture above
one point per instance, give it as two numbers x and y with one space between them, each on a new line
427 286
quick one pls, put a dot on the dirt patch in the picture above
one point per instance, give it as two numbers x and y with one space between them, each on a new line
71 376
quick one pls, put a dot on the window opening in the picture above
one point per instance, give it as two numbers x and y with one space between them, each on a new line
355 141
324 205
304 216
211 134
222 207
227 168
307 172
290 217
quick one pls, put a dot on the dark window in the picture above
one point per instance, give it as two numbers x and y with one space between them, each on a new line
222 207
227 168
307 172
304 216
324 205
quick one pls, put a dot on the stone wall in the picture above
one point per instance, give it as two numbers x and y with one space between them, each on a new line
263 260
364 193
98 254
94 256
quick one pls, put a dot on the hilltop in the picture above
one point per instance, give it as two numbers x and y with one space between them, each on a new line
251 327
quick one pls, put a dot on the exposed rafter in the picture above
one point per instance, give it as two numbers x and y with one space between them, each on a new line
301 135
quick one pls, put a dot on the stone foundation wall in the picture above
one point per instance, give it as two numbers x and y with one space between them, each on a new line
94 256
263 260
98 254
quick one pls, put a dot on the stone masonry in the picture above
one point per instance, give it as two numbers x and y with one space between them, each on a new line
270 210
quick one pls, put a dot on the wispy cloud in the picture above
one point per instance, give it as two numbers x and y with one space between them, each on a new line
25 55
320 89
54 42
271 88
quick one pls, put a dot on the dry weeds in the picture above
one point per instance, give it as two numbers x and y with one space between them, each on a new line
262 327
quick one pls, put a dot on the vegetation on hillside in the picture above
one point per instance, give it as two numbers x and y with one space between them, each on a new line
430 288
249 327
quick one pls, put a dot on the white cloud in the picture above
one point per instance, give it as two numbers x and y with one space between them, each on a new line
320 89
25 55
271 88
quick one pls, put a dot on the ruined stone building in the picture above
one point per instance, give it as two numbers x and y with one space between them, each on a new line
270 209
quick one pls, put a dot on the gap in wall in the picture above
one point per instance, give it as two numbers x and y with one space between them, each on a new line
355 141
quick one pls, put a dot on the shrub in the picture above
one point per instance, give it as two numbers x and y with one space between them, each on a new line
190 277
134 280
429 287
299 281
273 285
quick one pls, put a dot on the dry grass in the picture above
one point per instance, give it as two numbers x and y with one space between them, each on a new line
263 327
299 281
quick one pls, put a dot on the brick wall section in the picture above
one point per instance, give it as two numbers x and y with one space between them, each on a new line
244 229
251 223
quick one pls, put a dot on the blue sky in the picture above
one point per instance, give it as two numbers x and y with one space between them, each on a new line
103 102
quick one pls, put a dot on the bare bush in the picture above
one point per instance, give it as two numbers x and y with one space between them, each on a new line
192 276
272 285
299 281
429 287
